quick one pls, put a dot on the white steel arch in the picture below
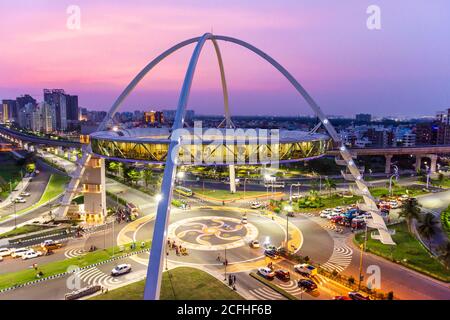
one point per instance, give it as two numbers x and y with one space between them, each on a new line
153 284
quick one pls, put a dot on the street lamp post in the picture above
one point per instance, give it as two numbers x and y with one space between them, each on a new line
360 266
287 209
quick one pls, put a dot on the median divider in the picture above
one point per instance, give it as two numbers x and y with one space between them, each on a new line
266 282
59 275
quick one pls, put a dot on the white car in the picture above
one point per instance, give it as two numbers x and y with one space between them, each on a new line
255 205
244 220
20 200
394 204
16 253
333 214
25 194
254 244
121 269
306 269
338 210
30 254
325 213
266 273
5 252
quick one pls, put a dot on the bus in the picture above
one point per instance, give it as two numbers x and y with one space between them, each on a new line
183 191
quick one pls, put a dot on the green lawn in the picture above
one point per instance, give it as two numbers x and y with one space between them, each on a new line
408 251
22 230
56 267
182 283
226 195
445 221
413 191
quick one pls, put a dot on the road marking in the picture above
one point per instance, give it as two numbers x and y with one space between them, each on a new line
341 257
73 253
94 276
264 293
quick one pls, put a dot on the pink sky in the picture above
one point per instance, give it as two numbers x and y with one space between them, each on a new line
402 69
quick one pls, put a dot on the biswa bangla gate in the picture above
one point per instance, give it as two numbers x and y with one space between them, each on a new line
172 145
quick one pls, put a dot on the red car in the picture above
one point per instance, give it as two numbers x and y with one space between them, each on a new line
283 274
357 296
336 219
341 298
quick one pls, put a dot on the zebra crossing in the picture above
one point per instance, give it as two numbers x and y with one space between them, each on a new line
73 253
291 287
264 293
308 214
94 276
341 257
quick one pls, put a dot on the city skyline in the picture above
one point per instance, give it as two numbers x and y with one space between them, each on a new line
345 66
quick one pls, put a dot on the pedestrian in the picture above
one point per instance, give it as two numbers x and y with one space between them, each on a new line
234 279
218 257
230 280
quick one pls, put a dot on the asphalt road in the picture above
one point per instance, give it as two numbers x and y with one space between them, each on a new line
36 188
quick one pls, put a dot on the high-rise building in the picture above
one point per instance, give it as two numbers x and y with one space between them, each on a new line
72 107
9 110
363 117
58 99
153 117
21 102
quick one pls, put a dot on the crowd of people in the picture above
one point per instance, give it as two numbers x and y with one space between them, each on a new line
179 250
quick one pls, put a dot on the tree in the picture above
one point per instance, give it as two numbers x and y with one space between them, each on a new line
133 175
115 167
444 254
410 210
147 174
31 167
330 185
427 228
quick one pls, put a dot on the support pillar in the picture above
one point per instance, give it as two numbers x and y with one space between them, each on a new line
387 168
418 162
232 178
433 164
93 187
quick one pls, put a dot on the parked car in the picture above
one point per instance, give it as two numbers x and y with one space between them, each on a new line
272 253
338 210
357 296
121 269
307 284
394 204
254 244
283 274
5 252
305 269
266 273
358 224
30 254
16 253
325 213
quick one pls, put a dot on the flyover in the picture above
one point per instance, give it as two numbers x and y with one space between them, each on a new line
419 152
